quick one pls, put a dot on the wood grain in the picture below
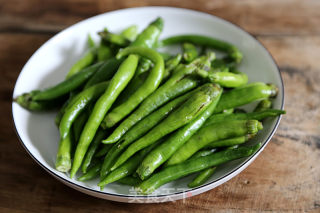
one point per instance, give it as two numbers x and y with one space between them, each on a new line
284 178
267 17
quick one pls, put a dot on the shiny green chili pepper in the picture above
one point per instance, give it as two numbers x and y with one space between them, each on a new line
152 119
92 149
63 160
202 177
223 64
66 86
203 62
149 36
138 79
141 128
129 180
141 76
80 102
92 173
85 61
25 100
232 147
171 64
103 150
190 109
149 86
79 123
225 79
132 87
130 32
163 152
214 132
230 49
115 39
244 116
126 168
61 111
230 141
162 95
263 105
104 52
227 111
104 73
246 94
116 85
189 52
146 39
144 65
191 166
202 153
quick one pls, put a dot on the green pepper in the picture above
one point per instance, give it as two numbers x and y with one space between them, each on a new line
177 139
147 123
214 132
202 177
116 85
181 116
149 86
183 169
78 104
162 95
230 49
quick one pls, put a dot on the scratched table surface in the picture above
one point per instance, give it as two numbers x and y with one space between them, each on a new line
285 177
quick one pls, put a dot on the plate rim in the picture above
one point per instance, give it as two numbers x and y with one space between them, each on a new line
238 169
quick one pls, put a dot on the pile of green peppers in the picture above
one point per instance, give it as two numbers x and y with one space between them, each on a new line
130 114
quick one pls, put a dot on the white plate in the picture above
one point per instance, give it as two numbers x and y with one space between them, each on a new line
50 62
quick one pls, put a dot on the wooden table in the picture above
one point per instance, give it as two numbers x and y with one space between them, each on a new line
285 177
